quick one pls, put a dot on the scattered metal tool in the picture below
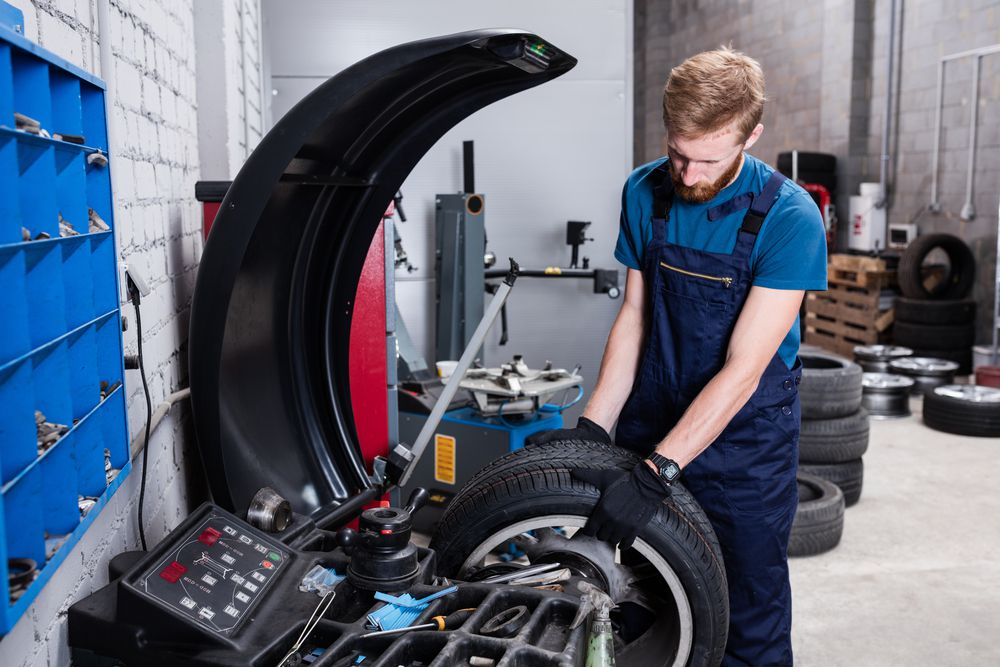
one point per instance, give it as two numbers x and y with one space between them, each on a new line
95 223
66 228
26 124
269 511
108 389
48 432
452 621
507 623
522 573
97 158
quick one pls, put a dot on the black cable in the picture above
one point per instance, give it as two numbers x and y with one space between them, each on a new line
134 295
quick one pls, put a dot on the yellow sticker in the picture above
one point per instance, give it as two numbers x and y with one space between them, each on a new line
444 458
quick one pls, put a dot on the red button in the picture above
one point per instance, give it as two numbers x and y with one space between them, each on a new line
209 536
173 572
266 564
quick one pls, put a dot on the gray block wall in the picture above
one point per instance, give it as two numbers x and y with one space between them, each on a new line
825 64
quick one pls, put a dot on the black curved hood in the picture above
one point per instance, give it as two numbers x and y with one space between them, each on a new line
271 316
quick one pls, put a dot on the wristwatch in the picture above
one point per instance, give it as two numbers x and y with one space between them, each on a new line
668 469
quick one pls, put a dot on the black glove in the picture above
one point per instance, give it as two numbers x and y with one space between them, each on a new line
628 502
585 430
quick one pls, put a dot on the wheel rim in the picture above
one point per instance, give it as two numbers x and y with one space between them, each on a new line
685 620
971 393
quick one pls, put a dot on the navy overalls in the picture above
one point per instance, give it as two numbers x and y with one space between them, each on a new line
745 480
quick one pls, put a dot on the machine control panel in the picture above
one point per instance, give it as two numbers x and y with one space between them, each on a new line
215 573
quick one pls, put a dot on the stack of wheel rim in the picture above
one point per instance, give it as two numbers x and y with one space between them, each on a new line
832 441
934 317
884 394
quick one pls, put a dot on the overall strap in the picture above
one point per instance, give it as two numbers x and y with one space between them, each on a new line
663 199
754 218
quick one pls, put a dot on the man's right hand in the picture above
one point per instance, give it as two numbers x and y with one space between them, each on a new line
585 430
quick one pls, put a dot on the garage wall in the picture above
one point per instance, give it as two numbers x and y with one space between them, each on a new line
155 163
554 153
825 64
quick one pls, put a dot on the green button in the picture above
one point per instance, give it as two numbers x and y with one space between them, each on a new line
276 557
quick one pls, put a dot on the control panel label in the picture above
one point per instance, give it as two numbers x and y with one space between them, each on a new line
444 458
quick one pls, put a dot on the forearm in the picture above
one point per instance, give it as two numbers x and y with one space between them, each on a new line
710 412
618 368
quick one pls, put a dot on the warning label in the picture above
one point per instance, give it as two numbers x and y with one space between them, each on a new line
444 459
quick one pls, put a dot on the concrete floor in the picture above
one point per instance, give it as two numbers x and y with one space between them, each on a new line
916 577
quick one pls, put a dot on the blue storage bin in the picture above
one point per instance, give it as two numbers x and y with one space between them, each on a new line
66 103
99 190
32 93
78 283
115 437
10 210
17 419
89 447
14 337
104 273
37 186
94 127
6 87
109 351
23 514
45 291
71 185
61 333
85 387
51 379
61 509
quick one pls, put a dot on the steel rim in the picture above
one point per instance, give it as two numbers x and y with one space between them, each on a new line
924 366
685 619
881 352
969 392
886 381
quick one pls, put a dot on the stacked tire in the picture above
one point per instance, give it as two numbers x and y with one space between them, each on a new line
832 441
934 317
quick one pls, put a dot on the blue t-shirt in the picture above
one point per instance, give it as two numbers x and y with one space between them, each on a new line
790 251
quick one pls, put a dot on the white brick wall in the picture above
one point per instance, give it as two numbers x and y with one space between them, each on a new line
155 162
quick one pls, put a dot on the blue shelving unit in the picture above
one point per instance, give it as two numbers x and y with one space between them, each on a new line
60 336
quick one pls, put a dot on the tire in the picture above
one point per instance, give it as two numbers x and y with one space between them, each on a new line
936 336
535 482
956 284
834 440
961 356
819 519
925 311
830 387
848 476
945 411
821 162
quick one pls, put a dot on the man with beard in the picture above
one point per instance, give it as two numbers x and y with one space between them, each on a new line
700 370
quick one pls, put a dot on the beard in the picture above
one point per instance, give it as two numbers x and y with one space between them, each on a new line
701 192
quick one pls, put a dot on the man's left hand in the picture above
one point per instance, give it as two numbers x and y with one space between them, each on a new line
628 501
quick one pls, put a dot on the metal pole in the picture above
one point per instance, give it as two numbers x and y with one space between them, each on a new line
968 211
935 205
451 386
887 123
996 297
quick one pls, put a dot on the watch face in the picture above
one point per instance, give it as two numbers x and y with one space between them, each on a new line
671 471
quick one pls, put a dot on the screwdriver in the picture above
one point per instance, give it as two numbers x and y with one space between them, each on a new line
449 622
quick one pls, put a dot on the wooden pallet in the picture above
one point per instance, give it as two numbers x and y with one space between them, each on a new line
848 313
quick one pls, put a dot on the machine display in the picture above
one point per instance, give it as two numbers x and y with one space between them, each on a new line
217 573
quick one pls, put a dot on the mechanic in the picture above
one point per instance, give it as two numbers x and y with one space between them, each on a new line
700 369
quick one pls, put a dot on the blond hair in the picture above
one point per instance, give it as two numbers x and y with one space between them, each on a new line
712 89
